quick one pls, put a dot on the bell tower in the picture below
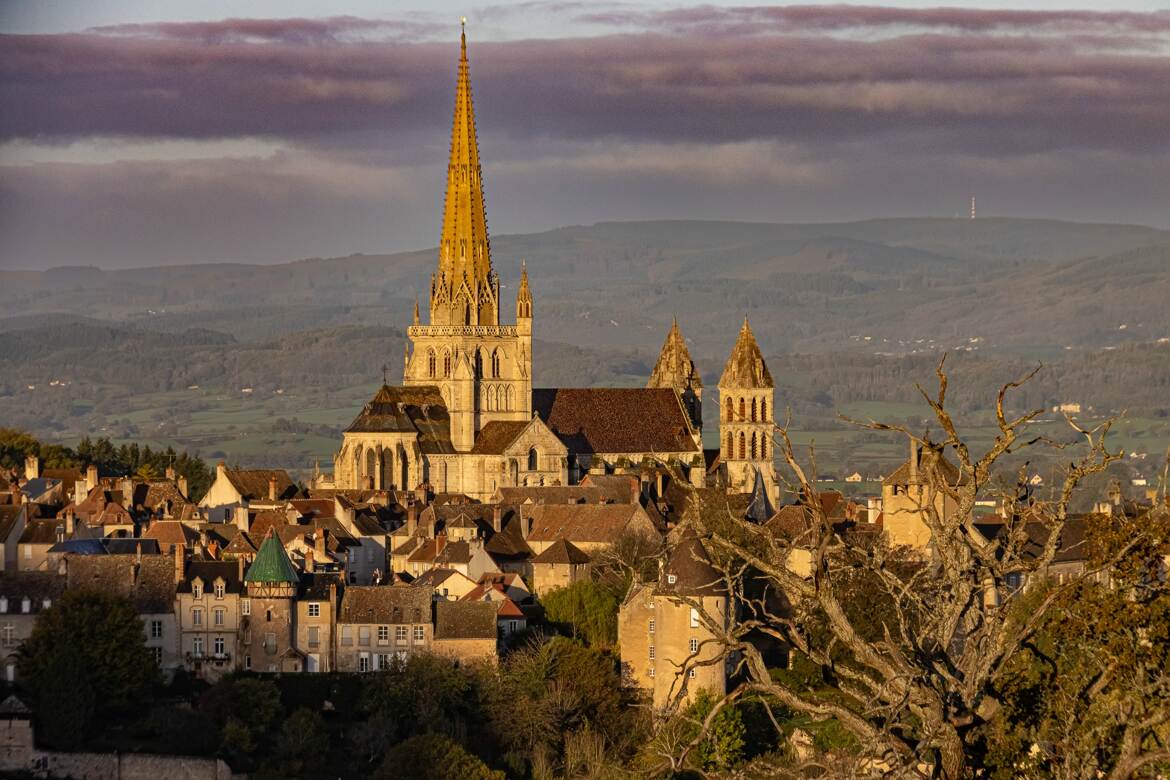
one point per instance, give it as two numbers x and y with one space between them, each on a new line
746 408
482 368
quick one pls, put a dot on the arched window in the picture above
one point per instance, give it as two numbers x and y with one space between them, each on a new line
495 364
371 463
533 460
446 363
357 463
467 314
729 409
742 446
431 363
509 398
754 448
514 467
764 447
478 364
742 409
764 409
753 410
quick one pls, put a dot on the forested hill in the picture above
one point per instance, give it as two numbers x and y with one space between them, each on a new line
878 286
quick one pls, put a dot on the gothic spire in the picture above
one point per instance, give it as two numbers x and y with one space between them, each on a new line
463 291
524 295
746 367
675 367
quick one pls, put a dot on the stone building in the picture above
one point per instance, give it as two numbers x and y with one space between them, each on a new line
316 616
466 417
664 628
560 565
379 625
746 409
914 490
465 631
271 585
23 594
213 616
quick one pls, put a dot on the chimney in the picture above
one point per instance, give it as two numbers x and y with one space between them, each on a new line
411 517
309 562
91 477
525 523
240 516
319 540
660 484
272 488
635 490
171 473
213 549
180 562
240 567
420 493
69 523
220 471
181 483
913 461
203 539
1115 493
368 482
138 553
32 467
497 517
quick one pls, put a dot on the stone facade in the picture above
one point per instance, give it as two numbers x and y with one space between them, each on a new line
746 409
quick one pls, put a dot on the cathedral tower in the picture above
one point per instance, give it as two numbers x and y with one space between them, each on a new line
483 369
746 394
676 370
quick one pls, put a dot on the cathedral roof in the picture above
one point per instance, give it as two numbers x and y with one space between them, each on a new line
616 419
746 366
417 409
495 436
675 367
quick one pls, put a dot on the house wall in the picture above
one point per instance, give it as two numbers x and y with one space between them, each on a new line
220 498
271 632
320 654
670 637
208 666
467 650
168 643
350 645
33 557
548 576
904 509
9 560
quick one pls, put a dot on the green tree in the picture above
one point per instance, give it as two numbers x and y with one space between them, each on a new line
723 744
433 757
245 710
303 744
86 658
584 610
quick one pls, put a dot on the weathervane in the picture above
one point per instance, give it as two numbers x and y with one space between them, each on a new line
385 369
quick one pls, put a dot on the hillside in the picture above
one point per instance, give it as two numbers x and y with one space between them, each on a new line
1018 285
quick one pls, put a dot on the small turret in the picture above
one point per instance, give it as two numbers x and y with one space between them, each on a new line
523 295
746 412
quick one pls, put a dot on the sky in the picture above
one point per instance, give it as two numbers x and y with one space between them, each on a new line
149 133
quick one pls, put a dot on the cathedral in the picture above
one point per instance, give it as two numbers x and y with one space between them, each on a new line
466 418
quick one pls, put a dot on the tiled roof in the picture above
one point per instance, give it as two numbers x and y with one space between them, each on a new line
267 520
112 514
495 437
128 545
41 531
615 420
169 533
599 523
562 551
618 488
252 484
316 586
418 409
385 604
563 494
271 563
465 620
149 582
509 543
1073 546
434 578
929 461
745 366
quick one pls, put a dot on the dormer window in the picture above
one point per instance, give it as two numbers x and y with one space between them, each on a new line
671 579
3 603
197 589
26 605
46 603
219 589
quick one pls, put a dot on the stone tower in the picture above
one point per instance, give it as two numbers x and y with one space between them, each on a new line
746 418
482 369
676 370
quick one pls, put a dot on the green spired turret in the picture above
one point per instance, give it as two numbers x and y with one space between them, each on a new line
272 565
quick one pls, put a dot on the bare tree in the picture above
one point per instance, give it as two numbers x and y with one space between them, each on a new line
911 645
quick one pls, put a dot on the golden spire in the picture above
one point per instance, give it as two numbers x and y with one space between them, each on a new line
746 367
675 367
524 295
464 292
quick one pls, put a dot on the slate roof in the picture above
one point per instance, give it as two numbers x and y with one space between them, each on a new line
562 551
36 585
760 508
465 620
208 571
9 515
496 436
1073 546
433 578
385 604
509 543
271 563
562 494
417 409
928 460
599 523
693 573
129 546
149 582
745 366
252 484
315 586
616 420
